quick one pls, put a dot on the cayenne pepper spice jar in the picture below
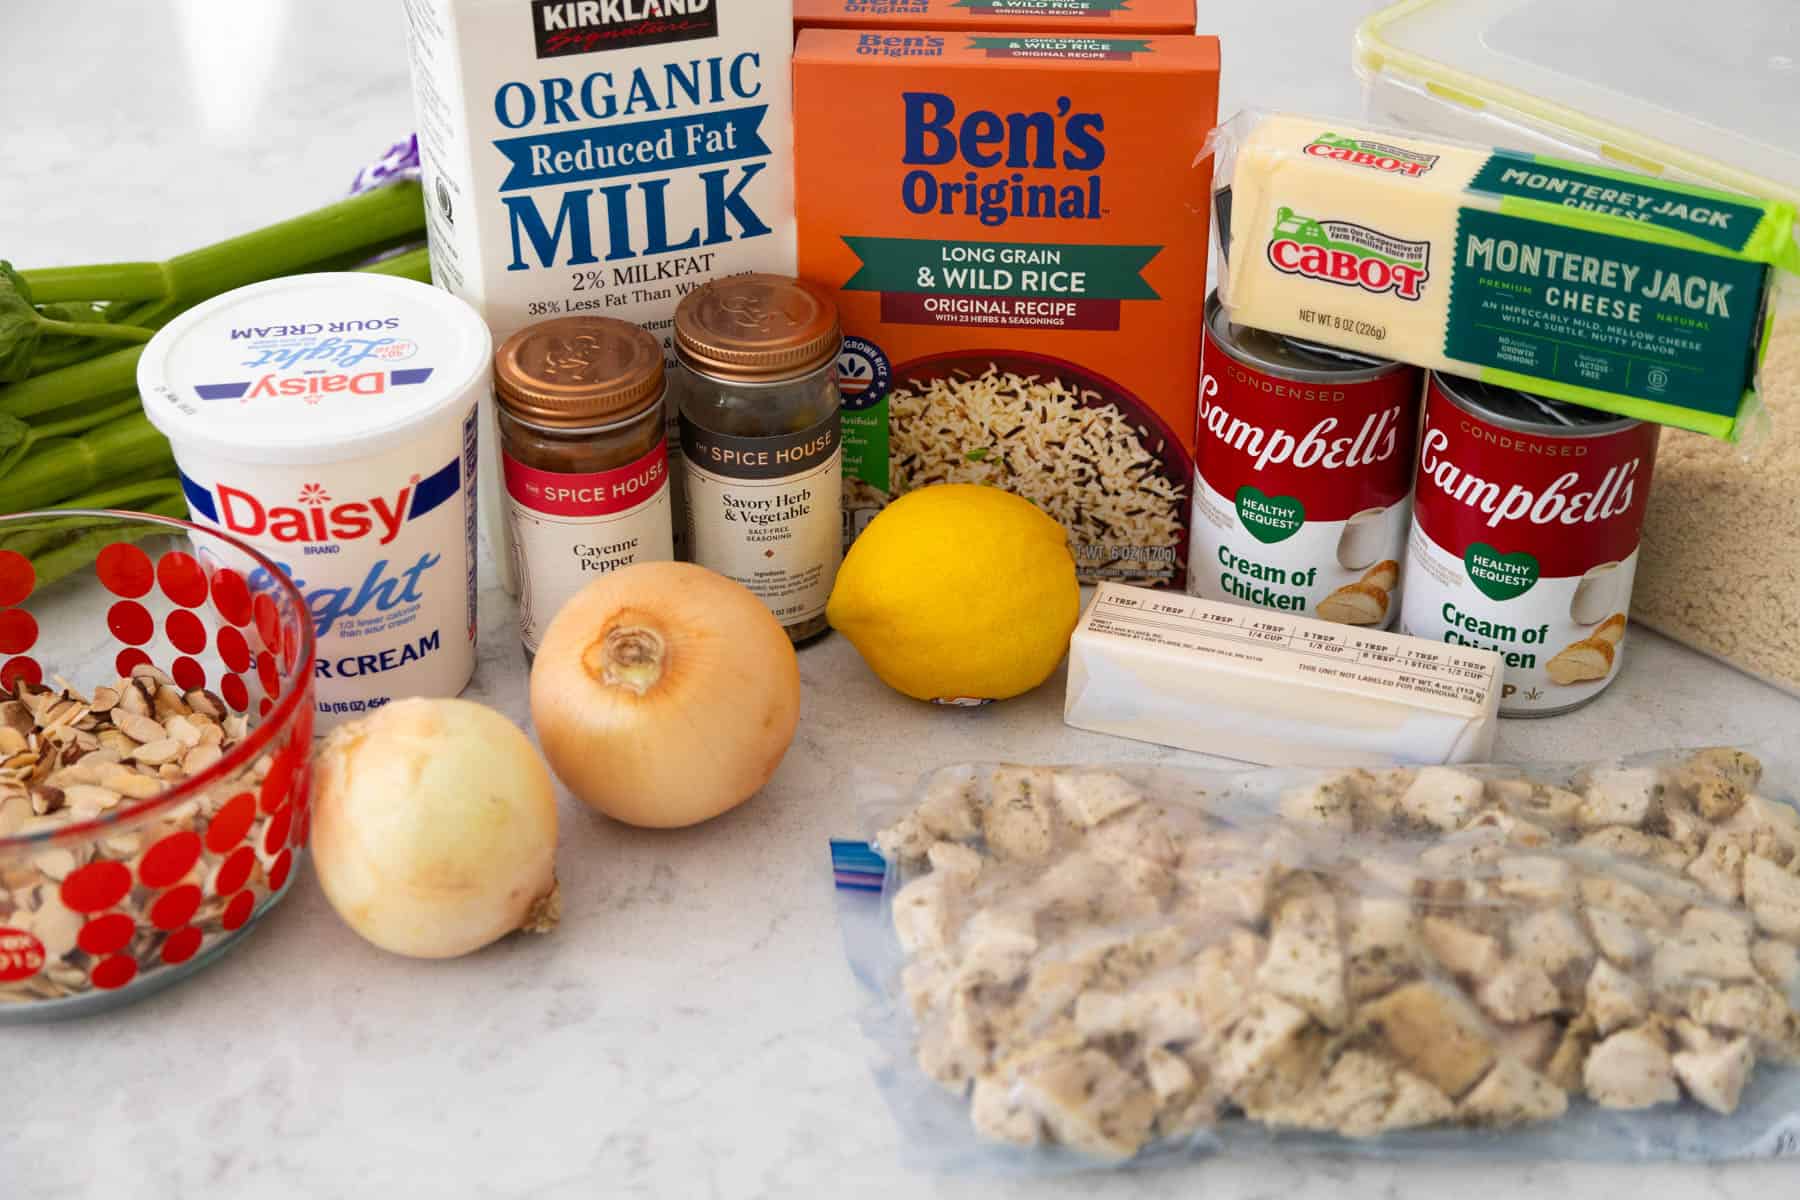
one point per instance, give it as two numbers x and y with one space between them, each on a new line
584 455
762 456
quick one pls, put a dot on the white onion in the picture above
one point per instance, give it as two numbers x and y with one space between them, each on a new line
435 828
665 694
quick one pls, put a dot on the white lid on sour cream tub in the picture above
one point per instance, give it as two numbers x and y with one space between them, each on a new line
312 369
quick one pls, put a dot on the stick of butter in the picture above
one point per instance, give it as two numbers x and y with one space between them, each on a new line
1268 687
1638 296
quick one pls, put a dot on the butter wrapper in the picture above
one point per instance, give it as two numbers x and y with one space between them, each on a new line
1272 688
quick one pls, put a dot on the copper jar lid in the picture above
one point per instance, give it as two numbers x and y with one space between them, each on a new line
576 371
757 328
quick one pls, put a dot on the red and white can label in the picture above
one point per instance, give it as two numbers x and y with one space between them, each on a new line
1301 490
572 527
1526 543
21 955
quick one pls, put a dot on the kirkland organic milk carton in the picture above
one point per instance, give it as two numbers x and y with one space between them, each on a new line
600 156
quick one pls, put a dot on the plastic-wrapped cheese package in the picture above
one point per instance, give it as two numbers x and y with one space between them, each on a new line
1072 965
1639 296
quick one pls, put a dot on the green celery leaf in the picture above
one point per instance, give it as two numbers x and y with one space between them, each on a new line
20 325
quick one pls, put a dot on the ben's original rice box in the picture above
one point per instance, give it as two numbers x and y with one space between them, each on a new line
1100 18
1017 235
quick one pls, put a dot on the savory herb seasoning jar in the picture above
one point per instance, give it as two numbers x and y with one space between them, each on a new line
584 455
760 442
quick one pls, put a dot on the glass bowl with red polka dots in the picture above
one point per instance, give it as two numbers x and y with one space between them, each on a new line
130 854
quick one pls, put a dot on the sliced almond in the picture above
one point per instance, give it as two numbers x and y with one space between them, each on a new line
138 728
212 735
11 740
131 700
103 699
158 752
205 703
56 863
183 731
91 796
135 784
169 702
200 758
46 799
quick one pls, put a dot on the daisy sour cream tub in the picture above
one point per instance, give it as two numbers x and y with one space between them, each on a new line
329 420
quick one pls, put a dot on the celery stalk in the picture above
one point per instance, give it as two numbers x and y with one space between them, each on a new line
63 468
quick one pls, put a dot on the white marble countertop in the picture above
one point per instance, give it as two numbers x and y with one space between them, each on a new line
689 1030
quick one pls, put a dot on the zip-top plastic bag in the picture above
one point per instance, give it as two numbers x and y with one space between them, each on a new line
1650 298
1075 966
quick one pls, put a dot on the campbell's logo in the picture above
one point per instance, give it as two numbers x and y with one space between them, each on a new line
1567 499
1328 444
315 516
1348 254
1376 156
585 26
313 386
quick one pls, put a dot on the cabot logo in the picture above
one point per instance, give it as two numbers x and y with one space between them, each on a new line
585 26
1377 156
1351 255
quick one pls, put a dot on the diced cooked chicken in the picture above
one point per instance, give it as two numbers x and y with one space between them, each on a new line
1615 999
1537 878
1531 1043
998 1114
1552 939
1433 1031
1141 832
1686 829
1363 1095
1540 802
1511 1093
947 810
1381 946
1628 900
1441 797
926 982
1773 896
925 913
1268 1033
1771 827
1224 977
1753 1008
1019 821
1378 793
1569 1060
1623 842
958 862
1227 890
997 945
1711 944
1617 796
1170 1076
1716 1077
1717 780
1631 1069
956 1047
1518 991
1516 830
1779 964
1616 936
1463 951
1090 1103
905 841
1157 1016
1326 802
1090 797
1719 867
1305 959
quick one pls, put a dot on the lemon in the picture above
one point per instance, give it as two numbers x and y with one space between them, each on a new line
959 593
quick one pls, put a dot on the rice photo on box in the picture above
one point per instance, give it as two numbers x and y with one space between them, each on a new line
1063 448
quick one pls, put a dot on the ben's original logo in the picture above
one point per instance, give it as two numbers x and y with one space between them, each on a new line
314 517
1377 156
585 26
1352 255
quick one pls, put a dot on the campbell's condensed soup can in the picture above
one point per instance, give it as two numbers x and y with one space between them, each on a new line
1303 475
1526 521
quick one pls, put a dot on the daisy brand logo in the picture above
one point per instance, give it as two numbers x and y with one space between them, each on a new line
1349 255
315 518
1377 156
313 386
585 26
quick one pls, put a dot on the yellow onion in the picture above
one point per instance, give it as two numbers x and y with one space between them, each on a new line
434 831
665 694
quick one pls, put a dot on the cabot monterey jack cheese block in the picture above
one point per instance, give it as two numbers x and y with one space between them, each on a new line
1098 17
1637 296
1275 688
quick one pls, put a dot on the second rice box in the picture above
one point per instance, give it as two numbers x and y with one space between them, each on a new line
1016 232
